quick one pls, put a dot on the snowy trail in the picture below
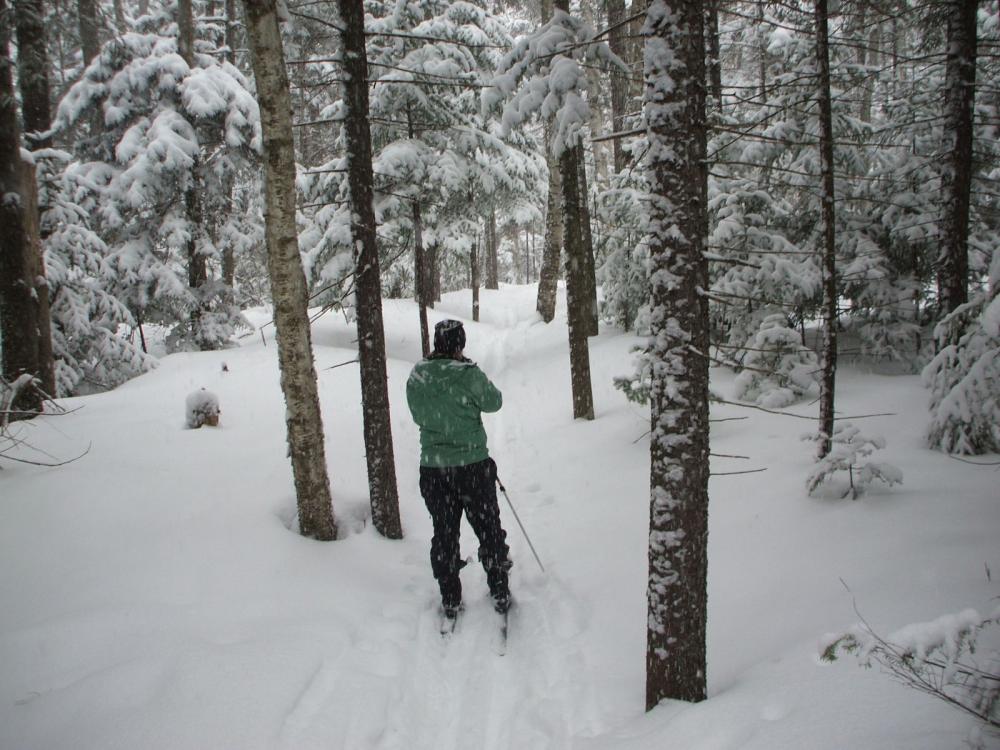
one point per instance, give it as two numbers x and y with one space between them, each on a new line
456 692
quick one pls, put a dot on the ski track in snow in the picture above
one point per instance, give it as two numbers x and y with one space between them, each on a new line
456 692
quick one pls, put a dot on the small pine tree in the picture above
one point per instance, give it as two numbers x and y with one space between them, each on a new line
847 446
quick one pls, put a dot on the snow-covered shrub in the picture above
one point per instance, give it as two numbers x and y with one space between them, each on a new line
778 369
202 407
964 378
847 446
938 658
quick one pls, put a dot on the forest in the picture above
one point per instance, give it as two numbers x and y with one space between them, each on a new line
661 220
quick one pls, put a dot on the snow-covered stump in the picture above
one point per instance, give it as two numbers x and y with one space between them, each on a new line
847 447
201 408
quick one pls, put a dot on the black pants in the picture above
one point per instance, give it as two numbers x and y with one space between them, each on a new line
447 492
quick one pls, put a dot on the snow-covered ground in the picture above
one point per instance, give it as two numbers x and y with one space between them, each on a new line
152 595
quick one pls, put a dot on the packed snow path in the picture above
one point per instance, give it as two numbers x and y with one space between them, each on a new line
456 692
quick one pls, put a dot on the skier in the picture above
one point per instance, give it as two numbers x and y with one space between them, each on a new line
447 394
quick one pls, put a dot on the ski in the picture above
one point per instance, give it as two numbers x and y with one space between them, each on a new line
448 624
501 644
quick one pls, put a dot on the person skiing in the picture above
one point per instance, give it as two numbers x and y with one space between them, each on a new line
447 394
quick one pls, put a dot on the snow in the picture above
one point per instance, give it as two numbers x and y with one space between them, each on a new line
154 596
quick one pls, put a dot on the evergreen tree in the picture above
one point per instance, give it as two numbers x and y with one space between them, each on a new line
175 134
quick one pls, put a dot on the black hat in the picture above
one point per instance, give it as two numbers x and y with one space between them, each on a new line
449 337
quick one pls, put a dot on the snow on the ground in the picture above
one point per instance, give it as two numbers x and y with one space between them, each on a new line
153 596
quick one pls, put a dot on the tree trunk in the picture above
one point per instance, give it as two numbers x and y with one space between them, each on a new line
228 254
288 282
577 288
420 279
197 262
120 25
678 523
90 43
960 92
516 259
548 277
19 251
829 353
619 81
368 279
33 81
594 103
588 271
492 253
474 278
714 61
434 275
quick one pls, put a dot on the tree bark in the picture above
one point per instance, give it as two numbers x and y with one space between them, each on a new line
548 276
33 81
288 282
960 90
474 278
368 278
828 216
678 519
577 288
228 254
19 243
619 81
196 261
90 43
714 61
588 270
420 279
492 253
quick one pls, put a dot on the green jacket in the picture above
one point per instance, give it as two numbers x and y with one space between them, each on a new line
446 398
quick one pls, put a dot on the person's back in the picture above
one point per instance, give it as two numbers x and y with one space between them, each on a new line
447 394
446 397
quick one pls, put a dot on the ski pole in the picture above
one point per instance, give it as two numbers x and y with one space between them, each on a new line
518 519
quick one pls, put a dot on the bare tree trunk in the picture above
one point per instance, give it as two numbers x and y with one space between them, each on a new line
714 61
420 279
18 241
492 252
594 103
89 41
588 271
434 275
368 278
960 92
228 254
288 282
548 277
678 519
828 213
619 82
516 260
33 81
577 288
474 277
197 262
120 25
